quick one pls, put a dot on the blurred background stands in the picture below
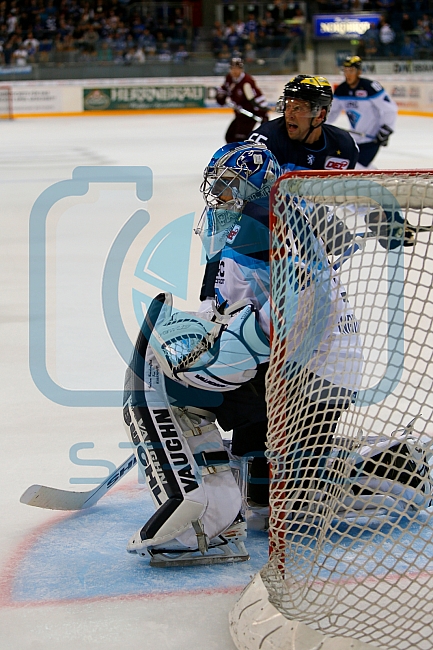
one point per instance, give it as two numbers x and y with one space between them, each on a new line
78 38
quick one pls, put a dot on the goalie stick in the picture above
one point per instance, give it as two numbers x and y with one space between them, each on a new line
42 496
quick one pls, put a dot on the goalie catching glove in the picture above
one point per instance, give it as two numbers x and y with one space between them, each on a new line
218 354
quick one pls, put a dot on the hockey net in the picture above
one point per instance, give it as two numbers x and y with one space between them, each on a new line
6 111
350 437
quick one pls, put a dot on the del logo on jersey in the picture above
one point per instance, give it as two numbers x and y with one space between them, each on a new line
336 163
233 234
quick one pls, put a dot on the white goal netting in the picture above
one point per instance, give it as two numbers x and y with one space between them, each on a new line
350 401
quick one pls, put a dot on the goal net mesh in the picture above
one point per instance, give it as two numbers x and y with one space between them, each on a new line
349 394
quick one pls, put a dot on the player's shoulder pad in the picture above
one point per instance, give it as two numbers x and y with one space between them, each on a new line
342 90
248 78
269 131
372 87
339 138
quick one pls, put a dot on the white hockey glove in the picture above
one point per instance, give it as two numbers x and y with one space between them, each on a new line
207 308
382 136
219 355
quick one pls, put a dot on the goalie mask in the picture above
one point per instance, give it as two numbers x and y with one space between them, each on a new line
237 174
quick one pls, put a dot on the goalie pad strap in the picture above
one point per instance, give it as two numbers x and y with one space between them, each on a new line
198 431
211 462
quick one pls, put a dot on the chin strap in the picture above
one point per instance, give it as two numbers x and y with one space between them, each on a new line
311 129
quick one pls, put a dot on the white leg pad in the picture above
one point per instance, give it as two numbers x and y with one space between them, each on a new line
182 456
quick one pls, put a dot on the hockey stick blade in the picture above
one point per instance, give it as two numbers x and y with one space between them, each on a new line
42 496
362 135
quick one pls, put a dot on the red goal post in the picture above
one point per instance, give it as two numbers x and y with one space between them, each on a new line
6 102
350 437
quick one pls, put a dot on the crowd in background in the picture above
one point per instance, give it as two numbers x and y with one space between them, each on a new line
281 30
406 35
102 30
121 31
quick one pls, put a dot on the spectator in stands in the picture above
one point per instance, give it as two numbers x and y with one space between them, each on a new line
11 23
134 55
371 48
217 36
179 32
386 37
137 28
164 53
372 33
99 9
408 50
119 44
222 64
240 28
250 55
58 45
181 56
32 45
65 28
148 42
9 48
424 38
232 39
251 26
105 53
269 22
19 56
406 24
90 39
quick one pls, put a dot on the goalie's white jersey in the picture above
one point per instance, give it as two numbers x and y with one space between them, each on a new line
337 357
368 107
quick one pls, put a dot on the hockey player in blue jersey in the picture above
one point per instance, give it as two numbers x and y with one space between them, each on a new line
370 110
301 139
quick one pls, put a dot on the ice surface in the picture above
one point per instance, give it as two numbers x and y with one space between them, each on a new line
66 580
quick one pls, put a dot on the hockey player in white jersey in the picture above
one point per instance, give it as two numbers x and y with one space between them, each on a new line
371 111
184 366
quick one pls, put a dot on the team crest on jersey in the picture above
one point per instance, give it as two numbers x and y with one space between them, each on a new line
336 163
310 158
361 93
353 117
233 234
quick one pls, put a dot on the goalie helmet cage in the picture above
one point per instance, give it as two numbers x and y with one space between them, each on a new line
349 439
6 106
